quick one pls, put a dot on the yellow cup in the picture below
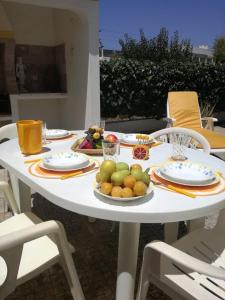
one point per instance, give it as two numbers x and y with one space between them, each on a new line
30 136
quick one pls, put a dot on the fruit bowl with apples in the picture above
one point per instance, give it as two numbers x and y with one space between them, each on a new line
91 143
121 182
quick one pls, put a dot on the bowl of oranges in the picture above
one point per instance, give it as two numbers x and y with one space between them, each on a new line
119 181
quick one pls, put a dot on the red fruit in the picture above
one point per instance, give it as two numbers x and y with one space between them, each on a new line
111 138
85 145
140 152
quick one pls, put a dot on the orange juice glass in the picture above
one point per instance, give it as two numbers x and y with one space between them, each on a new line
30 136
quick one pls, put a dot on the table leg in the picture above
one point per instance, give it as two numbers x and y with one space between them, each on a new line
24 196
127 260
171 232
196 224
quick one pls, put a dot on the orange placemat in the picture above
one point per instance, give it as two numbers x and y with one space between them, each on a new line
35 170
196 190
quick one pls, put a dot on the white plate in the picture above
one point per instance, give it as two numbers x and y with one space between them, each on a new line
56 133
187 174
149 191
131 139
65 161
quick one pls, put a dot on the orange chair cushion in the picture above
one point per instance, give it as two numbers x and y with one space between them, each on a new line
184 107
215 139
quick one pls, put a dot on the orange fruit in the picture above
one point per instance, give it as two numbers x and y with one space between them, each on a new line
140 188
129 181
127 192
106 188
140 152
136 166
116 191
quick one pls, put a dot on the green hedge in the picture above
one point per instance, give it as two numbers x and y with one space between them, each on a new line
131 88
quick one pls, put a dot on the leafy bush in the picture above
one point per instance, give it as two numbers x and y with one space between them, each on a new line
219 49
132 88
157 49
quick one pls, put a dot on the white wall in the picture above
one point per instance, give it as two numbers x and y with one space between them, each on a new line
79 31
74 22
70 29
32 25
36 110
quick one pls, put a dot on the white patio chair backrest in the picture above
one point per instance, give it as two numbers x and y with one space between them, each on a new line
187 137
8 131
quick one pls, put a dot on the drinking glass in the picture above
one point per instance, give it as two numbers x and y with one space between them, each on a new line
44 129
102 124
99 123
111 150
30 136
180 144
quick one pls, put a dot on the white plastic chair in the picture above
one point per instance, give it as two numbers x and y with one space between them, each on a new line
192 140
193 268
10 132
28 246
183 111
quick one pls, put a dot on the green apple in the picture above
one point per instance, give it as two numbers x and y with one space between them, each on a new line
145 178
108 166
118 176
137 173
104 176
122 166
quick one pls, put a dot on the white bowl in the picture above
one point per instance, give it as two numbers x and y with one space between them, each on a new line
65 161
97 190
131 139
187 173
56 133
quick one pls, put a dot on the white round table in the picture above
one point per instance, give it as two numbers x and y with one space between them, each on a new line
77 195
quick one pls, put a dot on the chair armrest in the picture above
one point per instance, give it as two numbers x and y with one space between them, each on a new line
209 119
169 119
184 259
33 232
4 186
11 246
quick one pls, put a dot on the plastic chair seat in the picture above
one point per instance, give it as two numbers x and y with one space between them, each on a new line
45 250
216 140
207 246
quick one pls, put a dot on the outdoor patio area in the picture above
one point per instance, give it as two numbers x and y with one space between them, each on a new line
112 150
95 257
96 243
